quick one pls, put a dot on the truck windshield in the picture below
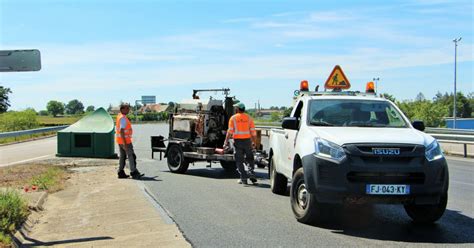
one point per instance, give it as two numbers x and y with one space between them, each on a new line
357 113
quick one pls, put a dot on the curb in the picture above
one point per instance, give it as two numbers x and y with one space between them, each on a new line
20 236
38 206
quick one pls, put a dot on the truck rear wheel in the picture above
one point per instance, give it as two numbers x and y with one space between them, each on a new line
426 214
177 163
304 204
278 182
229 165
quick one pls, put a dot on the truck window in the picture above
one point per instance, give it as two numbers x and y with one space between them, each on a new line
359 113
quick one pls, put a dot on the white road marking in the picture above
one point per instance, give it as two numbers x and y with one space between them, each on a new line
26 160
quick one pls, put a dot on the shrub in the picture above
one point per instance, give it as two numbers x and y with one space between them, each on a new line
15 121
43 113
13 212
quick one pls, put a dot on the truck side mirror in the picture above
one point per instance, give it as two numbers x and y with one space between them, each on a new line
419 125
290 123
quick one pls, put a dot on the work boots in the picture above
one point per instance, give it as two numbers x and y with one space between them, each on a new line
136 174
121 175
253 178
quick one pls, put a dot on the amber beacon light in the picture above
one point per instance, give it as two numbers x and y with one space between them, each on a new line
304 86
370 87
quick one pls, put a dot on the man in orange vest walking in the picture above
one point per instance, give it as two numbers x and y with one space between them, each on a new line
123 136
242 130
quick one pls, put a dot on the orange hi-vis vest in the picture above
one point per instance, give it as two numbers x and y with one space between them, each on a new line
241 126
127 131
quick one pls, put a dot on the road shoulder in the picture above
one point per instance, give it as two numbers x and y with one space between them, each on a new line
97 209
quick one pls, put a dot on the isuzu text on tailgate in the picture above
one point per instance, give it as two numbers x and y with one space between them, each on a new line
346 147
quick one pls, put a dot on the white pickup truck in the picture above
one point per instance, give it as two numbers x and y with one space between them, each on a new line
356 148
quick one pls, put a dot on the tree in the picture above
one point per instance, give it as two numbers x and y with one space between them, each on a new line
275 116
4 100
470 97
287 112
43 113
74 107
420 97
389 97
109 108
55 108
429 112
90 108
464 105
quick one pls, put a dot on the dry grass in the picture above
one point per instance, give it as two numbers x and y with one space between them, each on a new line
51 178
57 121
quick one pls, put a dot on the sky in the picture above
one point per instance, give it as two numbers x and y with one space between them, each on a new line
105 52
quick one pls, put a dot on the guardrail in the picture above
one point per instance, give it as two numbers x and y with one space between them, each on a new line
449 131
31 131
463 137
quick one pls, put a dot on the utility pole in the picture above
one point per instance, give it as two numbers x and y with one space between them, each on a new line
455 67
376 80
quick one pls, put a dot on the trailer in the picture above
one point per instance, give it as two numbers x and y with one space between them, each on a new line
197 130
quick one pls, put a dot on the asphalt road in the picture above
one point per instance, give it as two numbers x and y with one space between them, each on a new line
214 211
27 151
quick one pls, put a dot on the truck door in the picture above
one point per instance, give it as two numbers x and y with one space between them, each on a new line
290 140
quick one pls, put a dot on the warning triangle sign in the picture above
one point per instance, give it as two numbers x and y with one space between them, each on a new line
337 79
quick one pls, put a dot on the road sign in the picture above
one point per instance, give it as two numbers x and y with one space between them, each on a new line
148 99
337 79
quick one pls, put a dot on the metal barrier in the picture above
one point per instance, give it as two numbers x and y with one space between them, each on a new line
449 131
463 137
31 131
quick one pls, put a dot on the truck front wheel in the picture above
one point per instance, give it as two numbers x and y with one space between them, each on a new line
304 204
177 163
426 214
278 182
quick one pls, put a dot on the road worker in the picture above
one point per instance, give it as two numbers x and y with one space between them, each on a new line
123 136
242 130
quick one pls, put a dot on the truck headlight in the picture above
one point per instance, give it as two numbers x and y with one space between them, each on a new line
328 150
433 151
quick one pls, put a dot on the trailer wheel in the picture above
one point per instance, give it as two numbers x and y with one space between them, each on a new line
229 165
177 163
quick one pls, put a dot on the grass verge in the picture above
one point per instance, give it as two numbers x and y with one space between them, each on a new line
58 121
25 137
13 207
13 212
44 177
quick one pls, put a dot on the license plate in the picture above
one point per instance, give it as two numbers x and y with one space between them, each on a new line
387 189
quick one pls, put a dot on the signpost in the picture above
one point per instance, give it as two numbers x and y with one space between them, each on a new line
148 100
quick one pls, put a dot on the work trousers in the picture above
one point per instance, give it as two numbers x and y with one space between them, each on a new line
132 158
244 152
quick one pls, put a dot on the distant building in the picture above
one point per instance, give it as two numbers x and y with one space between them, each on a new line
155 108
114 110
461 123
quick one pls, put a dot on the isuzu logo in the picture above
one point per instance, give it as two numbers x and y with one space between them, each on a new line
386 151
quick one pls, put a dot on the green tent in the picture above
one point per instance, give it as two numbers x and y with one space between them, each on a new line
92 136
